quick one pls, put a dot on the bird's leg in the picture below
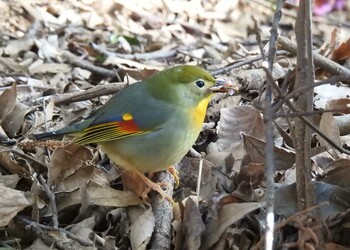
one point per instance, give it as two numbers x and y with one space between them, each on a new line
162 184
172 170
156 187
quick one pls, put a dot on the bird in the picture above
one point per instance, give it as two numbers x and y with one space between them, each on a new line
150 125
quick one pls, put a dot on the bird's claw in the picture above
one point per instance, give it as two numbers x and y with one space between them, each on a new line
172 170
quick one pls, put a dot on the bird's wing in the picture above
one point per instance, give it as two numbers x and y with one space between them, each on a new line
113 128
129 113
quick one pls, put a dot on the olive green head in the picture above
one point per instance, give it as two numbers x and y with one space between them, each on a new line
181 85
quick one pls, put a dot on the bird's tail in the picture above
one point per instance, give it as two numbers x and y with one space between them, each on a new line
48 135
73 130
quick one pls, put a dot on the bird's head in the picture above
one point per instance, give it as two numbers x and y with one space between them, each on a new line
184 85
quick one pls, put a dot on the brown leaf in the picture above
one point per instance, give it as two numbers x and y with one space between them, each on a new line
283 158
14 121
7 102
7 162
329 127
67 160
334 246
342 103
140 74
338 173
227 215
75 180
141 230
193 226
343 124
253 173
342 52
84 228
102 196
10 180
188 173
11 202
235 120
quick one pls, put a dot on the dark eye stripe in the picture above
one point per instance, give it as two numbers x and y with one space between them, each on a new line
200 83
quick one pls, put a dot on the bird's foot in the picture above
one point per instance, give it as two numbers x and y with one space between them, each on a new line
164 184
156 187
172 170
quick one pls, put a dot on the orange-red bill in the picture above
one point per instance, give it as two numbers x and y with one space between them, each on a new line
222 86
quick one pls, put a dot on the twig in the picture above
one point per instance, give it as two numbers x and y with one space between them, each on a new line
307 122
39 227
51 196
290 219
315 112
26 156
77 61
268 119
97 91
319 60
205 60
7 243
258 39
304 88
136 56
163 213
239 64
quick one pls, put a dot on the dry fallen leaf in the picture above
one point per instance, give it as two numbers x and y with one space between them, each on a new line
14 121
11 202
66 160
193 226
9 164
235 120
255 147
226 216
337 173
7 102
342 52
334 197
102 196
141 230
329 127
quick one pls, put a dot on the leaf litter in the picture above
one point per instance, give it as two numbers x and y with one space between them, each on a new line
58 63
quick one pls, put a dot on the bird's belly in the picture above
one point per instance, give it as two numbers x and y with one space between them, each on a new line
151 152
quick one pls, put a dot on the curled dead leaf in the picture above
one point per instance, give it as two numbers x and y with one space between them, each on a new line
7 102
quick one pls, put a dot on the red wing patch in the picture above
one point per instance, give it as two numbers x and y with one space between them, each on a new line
110 131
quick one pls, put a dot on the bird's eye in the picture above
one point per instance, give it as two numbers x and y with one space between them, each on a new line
200 83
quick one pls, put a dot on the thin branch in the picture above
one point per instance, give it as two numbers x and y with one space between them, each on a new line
289 220
27 156
295 93
37 227
307 122
315 112
97 91
239 64
51 196
77 61
268 119
319 60
158 54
